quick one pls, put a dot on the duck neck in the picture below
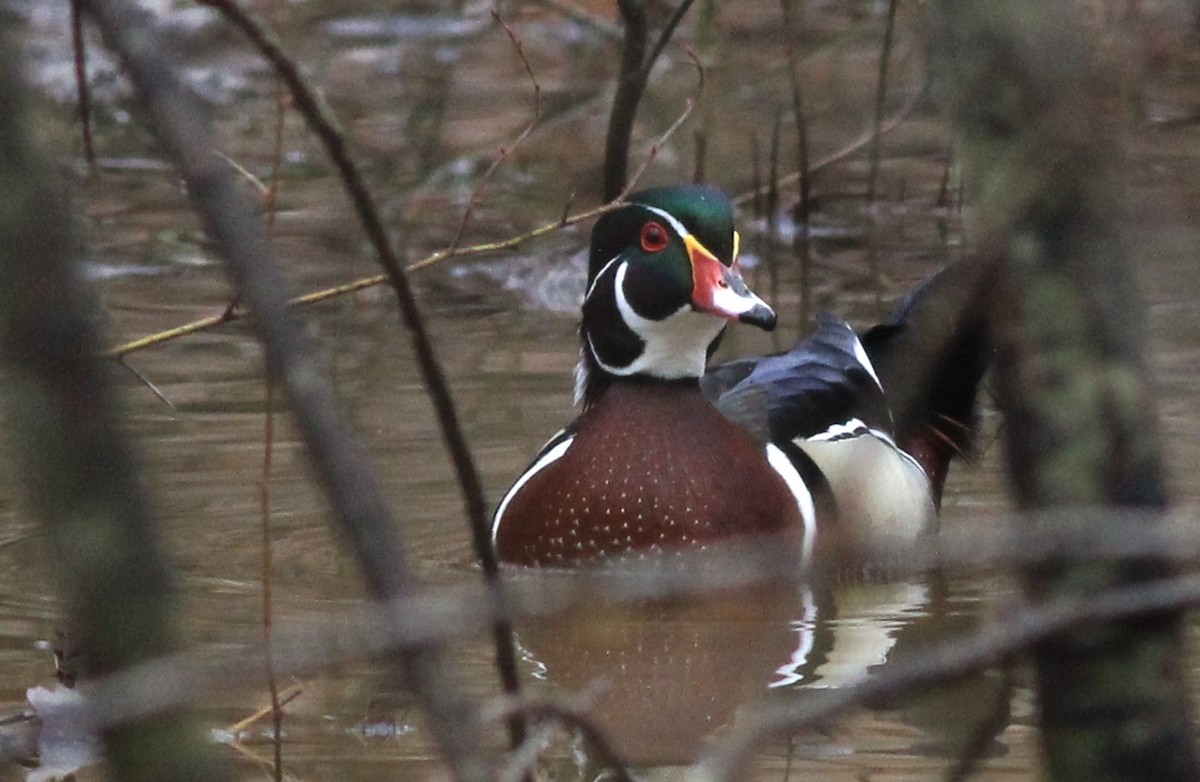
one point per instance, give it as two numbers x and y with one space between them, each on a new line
619 343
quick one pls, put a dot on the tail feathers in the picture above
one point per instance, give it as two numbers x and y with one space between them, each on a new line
931 354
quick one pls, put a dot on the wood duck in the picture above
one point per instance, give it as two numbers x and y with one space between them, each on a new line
664 456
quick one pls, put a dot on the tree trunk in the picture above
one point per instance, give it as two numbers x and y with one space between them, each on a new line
1032 115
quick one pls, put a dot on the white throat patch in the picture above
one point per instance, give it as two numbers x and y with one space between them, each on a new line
675 347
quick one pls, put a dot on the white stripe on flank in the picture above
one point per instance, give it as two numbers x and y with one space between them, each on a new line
808 511
548 458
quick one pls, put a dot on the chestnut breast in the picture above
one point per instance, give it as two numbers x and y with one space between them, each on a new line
652 466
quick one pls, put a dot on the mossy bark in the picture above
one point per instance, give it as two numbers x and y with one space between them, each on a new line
1034 118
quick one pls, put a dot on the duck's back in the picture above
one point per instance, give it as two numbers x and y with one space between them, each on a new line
650 466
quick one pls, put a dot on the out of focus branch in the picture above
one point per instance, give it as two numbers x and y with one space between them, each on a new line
74 463
1031 110
353 488
987 647
228 315
454 612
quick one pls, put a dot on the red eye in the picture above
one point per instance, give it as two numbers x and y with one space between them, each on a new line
654 237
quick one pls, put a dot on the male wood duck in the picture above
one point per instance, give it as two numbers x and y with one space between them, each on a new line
664 456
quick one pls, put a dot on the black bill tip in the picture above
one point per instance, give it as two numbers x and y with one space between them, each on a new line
760 315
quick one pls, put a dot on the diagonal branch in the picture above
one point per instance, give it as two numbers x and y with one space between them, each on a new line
987 647
505 152
320 119
341 464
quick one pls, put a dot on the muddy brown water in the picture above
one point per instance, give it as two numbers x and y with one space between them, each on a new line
428 98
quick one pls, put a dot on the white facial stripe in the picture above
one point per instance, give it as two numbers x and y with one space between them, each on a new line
603 271
675 347
804 501
671 220
548 458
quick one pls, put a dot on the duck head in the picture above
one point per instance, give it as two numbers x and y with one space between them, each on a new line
663 282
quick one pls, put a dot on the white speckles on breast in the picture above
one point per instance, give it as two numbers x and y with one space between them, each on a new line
651 474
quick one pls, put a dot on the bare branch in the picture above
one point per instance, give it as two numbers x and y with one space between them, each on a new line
631 81
885 55
81 83
983 649
670 131
437 615
74 462
891 124
354 490
505 152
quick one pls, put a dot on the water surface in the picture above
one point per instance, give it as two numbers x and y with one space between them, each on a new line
428 98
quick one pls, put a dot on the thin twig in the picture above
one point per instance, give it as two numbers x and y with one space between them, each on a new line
891 124
944 182
283 698
791 35
802 214
264 499
670 131
771 206
483 248
325 294
79 48
756 181
881 98
665 37
340 461
262 187
154 389
705 31
505 152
